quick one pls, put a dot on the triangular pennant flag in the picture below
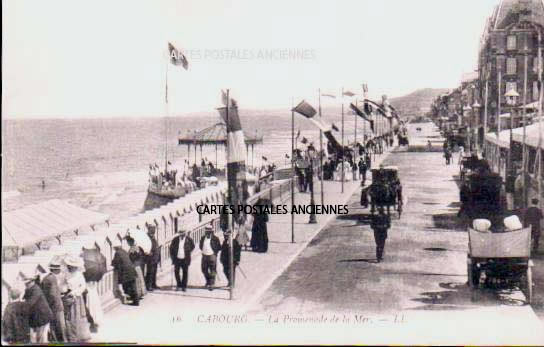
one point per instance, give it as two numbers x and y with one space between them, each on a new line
348 93
334 127
176 57
329 95
265 158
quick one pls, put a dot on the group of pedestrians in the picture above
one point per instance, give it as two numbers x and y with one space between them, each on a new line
131 266
58 307
212 250
182 247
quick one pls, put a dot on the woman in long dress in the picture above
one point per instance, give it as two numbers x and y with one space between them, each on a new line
95 314
137 257
77 325
259 233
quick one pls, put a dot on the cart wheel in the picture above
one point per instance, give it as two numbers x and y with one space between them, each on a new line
529 294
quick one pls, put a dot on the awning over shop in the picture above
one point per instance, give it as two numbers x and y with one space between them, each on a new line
531 106
503 141
531 136
35 223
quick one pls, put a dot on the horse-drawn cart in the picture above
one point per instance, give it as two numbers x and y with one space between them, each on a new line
504 257
385 190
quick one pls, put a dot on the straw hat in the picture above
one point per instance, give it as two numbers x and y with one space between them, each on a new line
55 263
74 261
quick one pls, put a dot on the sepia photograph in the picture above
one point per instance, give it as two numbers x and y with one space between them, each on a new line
251 172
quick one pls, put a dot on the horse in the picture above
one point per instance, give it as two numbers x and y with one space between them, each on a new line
382 194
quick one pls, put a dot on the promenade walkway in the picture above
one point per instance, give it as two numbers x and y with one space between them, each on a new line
417 295
168 316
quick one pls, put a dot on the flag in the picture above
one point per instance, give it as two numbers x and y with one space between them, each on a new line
233 102
329 95
236 165
309 112
287 156
333 146
298 134
381 110
304 140
348 93
176 57
334 127
365 88
305 109
265 158
362 115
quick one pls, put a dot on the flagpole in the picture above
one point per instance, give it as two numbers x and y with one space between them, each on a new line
523 147
321 148
485 106
356 149
166 120
342 178
292 170
229 199
499 77
540 101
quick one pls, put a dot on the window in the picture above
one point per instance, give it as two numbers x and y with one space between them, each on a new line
511 66
535 91
511 86
511 42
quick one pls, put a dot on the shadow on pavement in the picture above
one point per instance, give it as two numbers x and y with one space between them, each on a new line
360 218
449 221
435 249
458 296
357 260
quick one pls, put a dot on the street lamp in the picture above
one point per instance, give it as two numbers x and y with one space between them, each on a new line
466 114
311 155
511 100
476 115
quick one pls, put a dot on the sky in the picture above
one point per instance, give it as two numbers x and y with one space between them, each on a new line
83 58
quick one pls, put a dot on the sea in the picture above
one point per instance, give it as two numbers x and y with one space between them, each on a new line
102 164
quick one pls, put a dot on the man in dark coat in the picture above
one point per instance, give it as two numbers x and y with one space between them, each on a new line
225 256
152 260
15 327
51 290
126 274
209 245
181 257
362 170
40 313
533 216
380 224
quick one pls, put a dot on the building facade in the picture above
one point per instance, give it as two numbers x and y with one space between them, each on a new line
508 60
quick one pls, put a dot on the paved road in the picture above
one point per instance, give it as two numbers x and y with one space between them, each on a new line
422 279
